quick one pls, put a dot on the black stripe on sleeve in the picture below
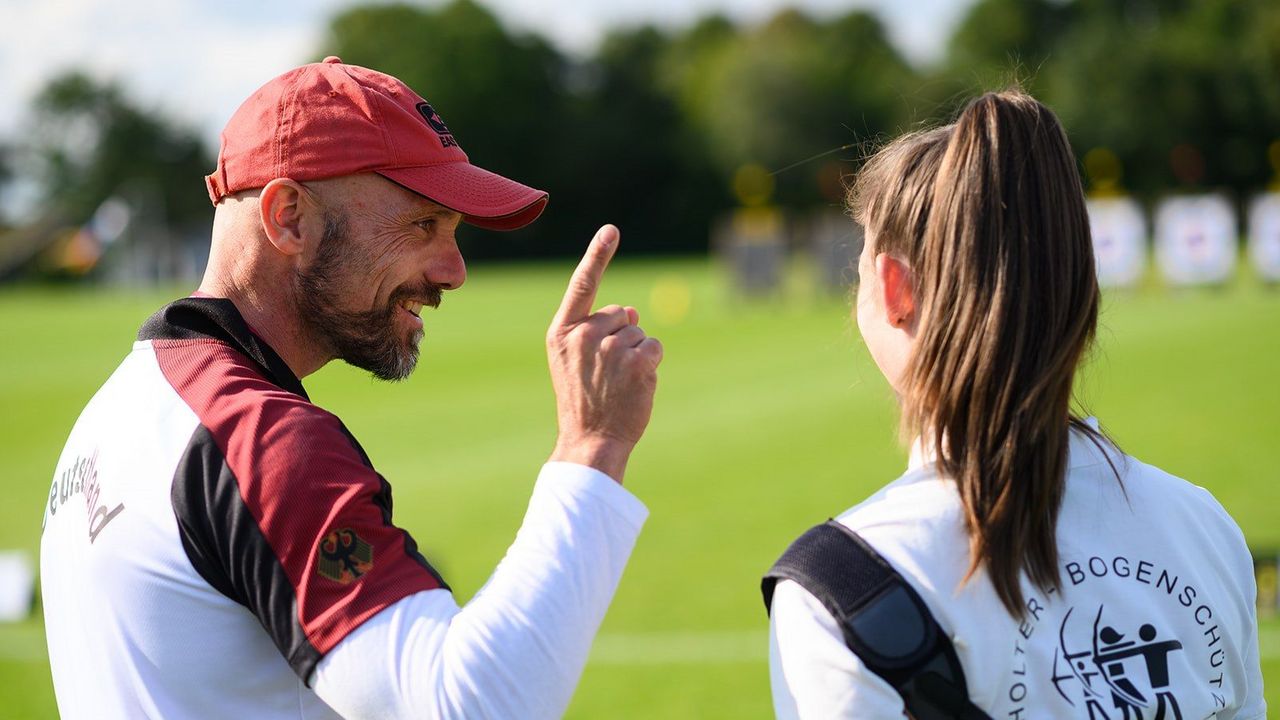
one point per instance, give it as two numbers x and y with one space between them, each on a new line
227 548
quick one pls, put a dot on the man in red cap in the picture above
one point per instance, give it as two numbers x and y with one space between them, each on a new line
215 545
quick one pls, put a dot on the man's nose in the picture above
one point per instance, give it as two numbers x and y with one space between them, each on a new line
448 269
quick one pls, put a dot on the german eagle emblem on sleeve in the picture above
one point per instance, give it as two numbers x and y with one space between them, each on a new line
344 556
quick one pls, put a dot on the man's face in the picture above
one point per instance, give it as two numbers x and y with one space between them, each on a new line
384 254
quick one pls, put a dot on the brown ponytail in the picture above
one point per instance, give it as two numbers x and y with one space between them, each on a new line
990 215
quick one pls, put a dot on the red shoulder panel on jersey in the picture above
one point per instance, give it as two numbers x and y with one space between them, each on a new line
321 510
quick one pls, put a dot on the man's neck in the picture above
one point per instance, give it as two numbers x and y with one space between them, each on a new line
276 322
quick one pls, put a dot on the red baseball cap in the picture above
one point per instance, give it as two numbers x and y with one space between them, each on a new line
329 119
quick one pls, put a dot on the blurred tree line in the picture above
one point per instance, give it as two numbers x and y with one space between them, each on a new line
649 131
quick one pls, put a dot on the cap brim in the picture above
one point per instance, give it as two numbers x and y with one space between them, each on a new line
485 199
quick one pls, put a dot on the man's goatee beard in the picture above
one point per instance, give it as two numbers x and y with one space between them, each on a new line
366 339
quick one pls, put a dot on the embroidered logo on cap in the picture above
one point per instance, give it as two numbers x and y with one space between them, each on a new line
435 122
344 556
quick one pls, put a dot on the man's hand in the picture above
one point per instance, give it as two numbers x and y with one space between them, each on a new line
603 367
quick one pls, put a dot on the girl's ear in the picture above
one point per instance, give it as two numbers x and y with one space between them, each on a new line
896 294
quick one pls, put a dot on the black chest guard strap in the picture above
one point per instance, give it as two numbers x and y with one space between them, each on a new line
885 623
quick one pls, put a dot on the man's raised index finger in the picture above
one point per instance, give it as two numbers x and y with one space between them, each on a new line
581 294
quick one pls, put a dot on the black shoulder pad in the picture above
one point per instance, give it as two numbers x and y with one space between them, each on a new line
883 619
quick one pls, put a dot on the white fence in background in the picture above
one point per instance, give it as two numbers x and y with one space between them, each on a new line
1119 231
1196 239
1190 239
1264 235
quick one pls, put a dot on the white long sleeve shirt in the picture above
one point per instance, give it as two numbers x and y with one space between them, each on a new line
1155 612
215 545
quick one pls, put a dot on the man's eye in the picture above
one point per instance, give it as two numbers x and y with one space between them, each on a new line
427 224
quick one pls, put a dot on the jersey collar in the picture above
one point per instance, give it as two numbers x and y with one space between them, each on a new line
207 318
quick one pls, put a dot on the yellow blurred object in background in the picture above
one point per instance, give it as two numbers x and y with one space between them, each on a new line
671 299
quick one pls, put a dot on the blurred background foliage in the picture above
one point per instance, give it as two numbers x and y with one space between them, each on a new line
649 131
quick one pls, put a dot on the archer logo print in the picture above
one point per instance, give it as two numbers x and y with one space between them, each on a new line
1124 638
344 556
1114 672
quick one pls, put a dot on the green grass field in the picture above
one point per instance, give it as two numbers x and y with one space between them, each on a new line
770 417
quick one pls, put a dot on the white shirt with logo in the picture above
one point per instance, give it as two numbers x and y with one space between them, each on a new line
217 546
1154 617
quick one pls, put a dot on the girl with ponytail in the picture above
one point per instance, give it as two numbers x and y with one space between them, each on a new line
1073 581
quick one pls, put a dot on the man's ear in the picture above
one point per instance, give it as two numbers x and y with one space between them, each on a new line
894 276
284 205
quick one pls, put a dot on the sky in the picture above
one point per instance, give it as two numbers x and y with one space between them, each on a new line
196 61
